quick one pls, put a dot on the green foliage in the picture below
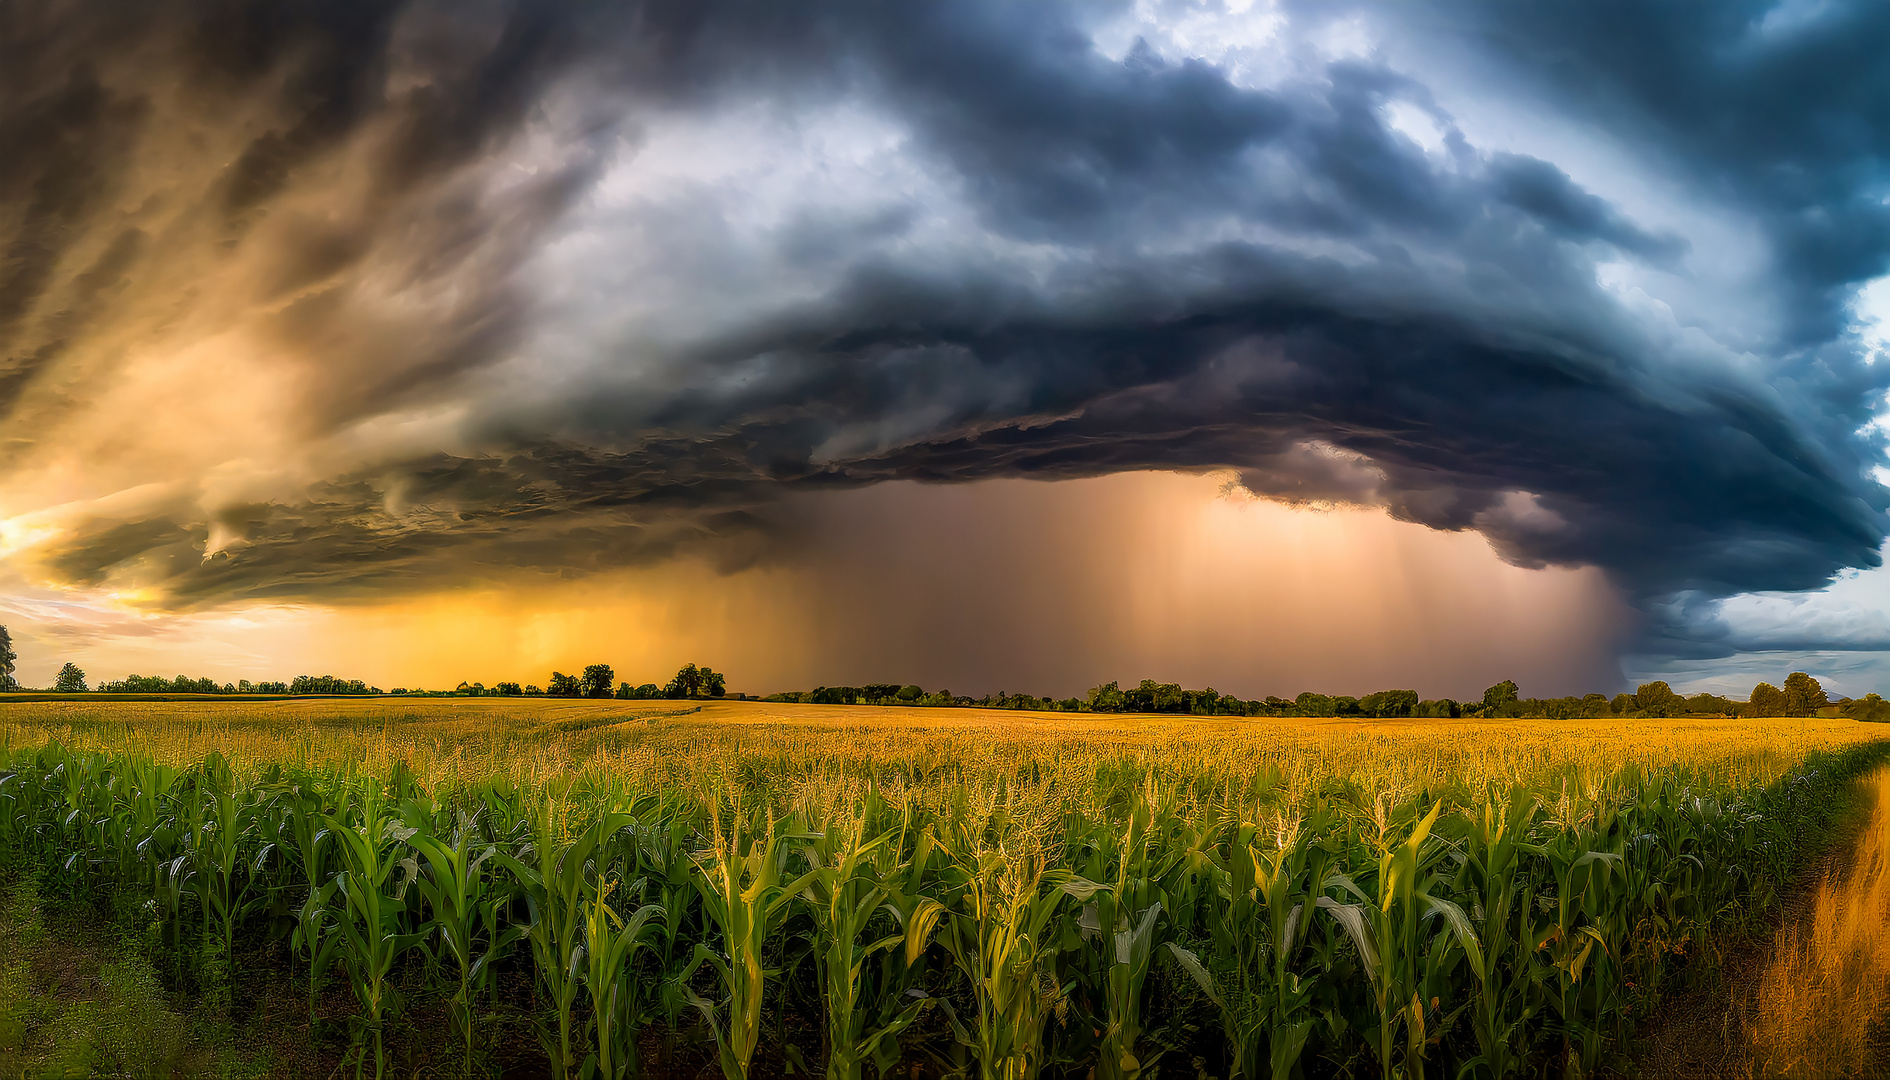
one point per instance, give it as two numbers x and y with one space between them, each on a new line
71 680
1803 695
693 682
1499 698
1479 933
1658 699
328 684
596 680
8 660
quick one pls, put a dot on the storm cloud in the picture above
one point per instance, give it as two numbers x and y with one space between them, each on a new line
312 300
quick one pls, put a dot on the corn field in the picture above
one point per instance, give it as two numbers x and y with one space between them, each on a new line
1484 927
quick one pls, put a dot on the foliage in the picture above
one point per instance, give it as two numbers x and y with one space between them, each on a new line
693 681
1124 918
71 680
8 660
328 684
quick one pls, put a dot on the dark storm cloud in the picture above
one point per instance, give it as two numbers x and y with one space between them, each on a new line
1146 265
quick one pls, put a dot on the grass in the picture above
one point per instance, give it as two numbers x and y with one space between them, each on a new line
749 887
1819 1009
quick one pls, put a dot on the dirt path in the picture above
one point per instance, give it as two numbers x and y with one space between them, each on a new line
1813 1002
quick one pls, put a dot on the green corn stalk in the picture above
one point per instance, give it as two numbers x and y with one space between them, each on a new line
310 842
1258 922
1493 876
556 884
610 981
1575 939
1387 932
457 894
745 892
851 881
370 929
1000 901
1122 917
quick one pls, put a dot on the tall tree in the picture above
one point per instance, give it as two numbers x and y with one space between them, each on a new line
1767 700
596 680
71 680
7 659
1657 699
1500 700
1803 695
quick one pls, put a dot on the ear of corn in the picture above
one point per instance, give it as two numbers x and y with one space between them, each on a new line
1489 928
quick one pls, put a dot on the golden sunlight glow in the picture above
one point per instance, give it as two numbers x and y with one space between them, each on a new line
1014 585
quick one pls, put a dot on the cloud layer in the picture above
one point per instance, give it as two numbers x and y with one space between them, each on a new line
317 300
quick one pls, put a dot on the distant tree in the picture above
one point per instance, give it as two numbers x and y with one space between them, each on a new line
7 660
909 694
534 691
596 680
1389 703
1500 700
507 689
562 685
693 681
1767 700
1657 699
71 680
1803 695
1871 708
1105 698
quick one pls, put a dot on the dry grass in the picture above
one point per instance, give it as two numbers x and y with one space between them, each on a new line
1819 1009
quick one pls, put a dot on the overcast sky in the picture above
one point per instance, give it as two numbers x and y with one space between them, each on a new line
1015 346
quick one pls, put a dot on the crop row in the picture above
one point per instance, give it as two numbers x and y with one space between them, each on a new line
1489 939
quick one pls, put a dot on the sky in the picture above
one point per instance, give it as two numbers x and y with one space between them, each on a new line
993 346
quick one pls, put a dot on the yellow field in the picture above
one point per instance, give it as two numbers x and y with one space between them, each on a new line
800 751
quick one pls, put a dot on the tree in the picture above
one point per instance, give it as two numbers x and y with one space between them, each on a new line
693 681
1389 703
1871 708
562 685
7 659
1657 699
596 680
1500 699
1803 695
1767 700
71 680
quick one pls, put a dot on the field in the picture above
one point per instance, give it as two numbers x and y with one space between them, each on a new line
672 888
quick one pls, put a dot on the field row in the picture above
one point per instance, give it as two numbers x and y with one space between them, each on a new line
1112 920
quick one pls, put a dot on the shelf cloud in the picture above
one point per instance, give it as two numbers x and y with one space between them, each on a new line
305 301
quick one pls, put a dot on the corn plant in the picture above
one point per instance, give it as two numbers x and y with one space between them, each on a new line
459 898
371 924
555 878
611 942
1387 929
1259 919
745 891
1504 907
853 883
999 900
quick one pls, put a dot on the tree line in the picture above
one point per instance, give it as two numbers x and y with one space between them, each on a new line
595 681
1801 695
